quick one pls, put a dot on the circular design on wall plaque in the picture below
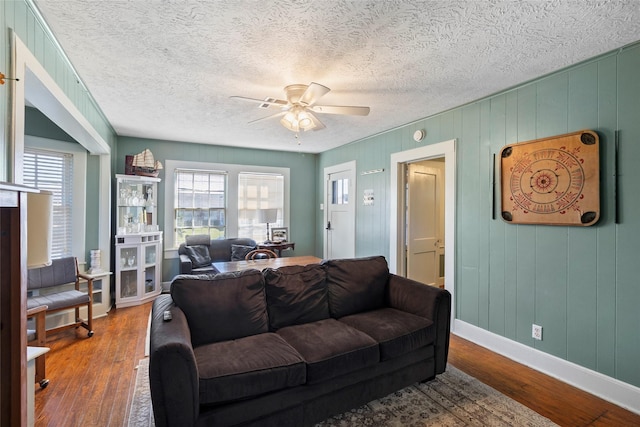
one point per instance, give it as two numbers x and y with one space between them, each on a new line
547 181
544 181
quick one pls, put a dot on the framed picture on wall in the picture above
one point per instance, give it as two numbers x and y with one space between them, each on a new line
279 234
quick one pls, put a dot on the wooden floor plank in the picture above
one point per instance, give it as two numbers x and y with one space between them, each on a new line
92 379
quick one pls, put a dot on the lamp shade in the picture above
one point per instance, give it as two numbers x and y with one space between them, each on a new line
39 228
267 216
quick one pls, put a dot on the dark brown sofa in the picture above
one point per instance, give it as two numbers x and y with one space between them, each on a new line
216 250
292 346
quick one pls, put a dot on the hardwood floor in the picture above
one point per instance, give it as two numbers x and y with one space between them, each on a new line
92 379
561 403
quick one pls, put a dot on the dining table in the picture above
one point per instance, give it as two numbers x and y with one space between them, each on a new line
262 264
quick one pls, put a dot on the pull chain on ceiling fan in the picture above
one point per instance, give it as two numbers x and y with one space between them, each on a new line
297 111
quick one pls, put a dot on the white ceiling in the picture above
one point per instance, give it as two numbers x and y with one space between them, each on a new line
166 69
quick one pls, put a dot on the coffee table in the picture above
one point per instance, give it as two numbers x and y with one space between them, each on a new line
261 264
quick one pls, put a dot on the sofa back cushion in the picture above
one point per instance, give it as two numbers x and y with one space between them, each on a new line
220 250
296 294
356 284
222 307
197 239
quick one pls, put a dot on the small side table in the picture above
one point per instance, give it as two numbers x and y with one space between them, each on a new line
277 247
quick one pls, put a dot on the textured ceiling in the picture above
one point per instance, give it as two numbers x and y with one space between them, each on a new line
166 69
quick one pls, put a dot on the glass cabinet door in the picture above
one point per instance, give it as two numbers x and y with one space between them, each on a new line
150 254
128 272
150 279
150 276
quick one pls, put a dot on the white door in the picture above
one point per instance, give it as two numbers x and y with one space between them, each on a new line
340 214
423 223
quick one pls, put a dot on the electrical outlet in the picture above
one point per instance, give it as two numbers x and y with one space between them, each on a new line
536 332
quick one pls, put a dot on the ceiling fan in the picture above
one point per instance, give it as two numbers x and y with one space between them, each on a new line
297 111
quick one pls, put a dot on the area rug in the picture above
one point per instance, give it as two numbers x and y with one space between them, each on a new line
452 399
141 411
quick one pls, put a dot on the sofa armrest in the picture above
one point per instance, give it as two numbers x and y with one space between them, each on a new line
186 267
425 301
173 373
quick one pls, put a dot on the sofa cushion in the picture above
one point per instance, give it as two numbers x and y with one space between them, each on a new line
199 256
356 285
57 300
239 252
296 294
396 331
222 307
247 367
331 348
197 240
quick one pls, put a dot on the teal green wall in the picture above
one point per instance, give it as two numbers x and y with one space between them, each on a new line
579 283
302 181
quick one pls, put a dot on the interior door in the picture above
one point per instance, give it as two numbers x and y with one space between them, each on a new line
340 226
423 234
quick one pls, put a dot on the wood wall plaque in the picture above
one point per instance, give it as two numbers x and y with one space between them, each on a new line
553 181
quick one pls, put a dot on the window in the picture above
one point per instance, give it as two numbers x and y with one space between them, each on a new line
258 191
221 200
340 191
53 171
200 206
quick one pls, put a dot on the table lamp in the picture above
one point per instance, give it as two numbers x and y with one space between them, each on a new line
267 216
39 228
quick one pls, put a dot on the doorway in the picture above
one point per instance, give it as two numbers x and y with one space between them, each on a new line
424 221
397 245
340 211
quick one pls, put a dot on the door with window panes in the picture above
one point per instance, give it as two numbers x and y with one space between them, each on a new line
340 227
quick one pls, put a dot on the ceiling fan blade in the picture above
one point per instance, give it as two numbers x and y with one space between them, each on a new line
268 101
313 92
282 113
341 109
317 124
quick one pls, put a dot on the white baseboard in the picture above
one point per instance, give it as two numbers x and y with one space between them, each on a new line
603 386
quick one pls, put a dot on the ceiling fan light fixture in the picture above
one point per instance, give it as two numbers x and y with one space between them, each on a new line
304 121
297 111
290 121
296 119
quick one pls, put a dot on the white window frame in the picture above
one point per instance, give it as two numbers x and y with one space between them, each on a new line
78 213
192 207
232 170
